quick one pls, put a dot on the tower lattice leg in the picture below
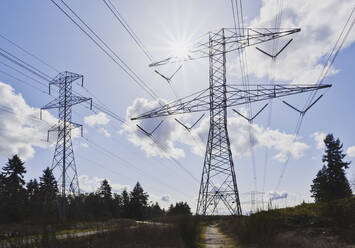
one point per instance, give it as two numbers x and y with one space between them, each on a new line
218 182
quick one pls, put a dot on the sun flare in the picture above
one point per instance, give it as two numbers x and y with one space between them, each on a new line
180 49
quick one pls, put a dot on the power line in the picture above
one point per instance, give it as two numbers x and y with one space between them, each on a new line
22 81
238 12
24 64
127 163
326 67
126 26
277 24
24 74
114 57
102 108
134 36
29 53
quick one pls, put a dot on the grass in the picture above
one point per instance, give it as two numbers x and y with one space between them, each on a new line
177 231
188 227
140 236
300 226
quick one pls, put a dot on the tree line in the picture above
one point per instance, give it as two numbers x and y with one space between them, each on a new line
39 201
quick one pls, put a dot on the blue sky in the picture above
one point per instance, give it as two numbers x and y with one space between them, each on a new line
42 29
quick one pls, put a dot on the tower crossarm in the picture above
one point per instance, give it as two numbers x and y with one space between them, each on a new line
236 95
234 39
57 102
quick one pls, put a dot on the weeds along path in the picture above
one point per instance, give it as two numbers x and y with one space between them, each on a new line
213 238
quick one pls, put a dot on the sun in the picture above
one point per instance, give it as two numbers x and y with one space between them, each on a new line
180 49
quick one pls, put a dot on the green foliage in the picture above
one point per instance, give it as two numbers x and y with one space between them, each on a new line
189 228
48 187
40 201
12 191
337 217
33 200
48 196
138 203
331 182
180 208
154 211
104 190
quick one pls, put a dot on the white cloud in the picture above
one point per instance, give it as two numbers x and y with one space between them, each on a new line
351 151
86 145
105 132
94 120
281 157
260 137
171 134
166 133
301 62
319 139
20 128
91 184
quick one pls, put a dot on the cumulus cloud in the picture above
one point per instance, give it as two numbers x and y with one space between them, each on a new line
91 184
20 129
99 119
167 133
243 135
281 157
105 132
319 139
282 142
302 61
351 151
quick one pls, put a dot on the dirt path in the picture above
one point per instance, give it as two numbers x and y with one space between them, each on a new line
213 238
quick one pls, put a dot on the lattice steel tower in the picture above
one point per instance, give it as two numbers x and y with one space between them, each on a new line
63 165
218 182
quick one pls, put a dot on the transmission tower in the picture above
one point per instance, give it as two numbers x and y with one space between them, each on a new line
218 181
63 165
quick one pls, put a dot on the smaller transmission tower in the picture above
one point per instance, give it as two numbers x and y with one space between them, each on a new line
63 165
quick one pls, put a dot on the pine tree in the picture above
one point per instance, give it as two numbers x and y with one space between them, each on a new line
331 182
180 208
13 191
49 197
48 185
105 190
2 199
125 204
33 200
105 198
138 202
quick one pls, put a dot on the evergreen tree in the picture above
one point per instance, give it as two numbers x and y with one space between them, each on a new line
2 199
138 202
105 199
32 188
125 204
33 199
180 208
49 197
331 182
104 190
13 191
117 205
48 185
154 211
